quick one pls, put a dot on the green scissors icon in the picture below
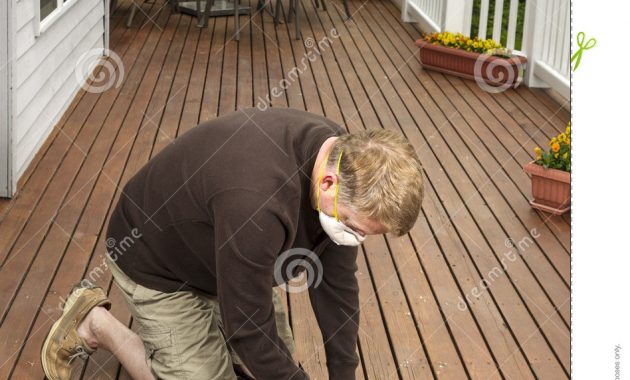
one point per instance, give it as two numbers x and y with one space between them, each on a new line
577 56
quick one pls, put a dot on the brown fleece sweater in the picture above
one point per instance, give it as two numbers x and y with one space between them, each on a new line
216 208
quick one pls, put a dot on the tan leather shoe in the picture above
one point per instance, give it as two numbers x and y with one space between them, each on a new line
63 344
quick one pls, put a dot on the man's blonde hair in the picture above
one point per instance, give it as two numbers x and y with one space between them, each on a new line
380 177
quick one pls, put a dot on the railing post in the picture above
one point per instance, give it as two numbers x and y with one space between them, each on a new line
457 16
532 38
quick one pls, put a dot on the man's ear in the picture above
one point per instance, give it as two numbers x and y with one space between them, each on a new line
327 181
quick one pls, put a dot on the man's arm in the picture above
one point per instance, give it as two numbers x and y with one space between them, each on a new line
248 236
335 302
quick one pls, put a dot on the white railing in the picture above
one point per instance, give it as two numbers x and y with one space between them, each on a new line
544 35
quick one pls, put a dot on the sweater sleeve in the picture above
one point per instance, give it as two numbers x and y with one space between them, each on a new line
335 302
249 234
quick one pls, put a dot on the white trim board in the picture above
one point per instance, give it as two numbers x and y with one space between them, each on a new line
6 105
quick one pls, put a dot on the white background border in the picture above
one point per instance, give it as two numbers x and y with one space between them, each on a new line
601 147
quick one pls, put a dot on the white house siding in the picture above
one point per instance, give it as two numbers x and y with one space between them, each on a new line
44 71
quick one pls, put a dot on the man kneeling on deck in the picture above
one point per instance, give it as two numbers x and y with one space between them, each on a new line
195 242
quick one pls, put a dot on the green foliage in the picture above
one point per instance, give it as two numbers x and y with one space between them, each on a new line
559 154
474 31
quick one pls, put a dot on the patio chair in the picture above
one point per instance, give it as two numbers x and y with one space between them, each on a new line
294 9
202 15
345 7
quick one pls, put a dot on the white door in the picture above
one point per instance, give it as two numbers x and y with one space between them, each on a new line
5 162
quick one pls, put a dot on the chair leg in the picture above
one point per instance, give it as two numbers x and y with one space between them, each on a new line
200 23
237 20
291 10
296 9
131 14
206 11
276 13
345 6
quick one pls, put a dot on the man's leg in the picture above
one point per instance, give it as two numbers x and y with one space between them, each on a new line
100 329
179 332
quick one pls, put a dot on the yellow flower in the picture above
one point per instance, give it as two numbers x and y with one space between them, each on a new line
566 156
553 141
555 147
562 137
555 155
568 130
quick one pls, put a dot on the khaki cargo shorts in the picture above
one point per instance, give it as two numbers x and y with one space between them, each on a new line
182 331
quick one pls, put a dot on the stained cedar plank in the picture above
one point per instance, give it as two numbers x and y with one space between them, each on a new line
48 159
260 66
317 75
409 350
227 96
473 189
57 191
376 352
558 118
487 100
210 99
245 91
84 237
552 104
464 328
170 116
194 93
369 102
531 295
274 68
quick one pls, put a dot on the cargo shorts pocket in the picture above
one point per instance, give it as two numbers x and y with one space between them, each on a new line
160 352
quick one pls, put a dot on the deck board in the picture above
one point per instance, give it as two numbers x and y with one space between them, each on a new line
420 317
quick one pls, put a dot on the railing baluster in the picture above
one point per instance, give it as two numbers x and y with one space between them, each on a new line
565 47
498 20
513 20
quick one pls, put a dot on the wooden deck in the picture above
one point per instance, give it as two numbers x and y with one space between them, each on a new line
415 323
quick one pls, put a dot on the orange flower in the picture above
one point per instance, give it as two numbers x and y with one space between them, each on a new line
555 147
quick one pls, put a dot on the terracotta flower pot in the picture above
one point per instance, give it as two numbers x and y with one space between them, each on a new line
491 70
551 189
